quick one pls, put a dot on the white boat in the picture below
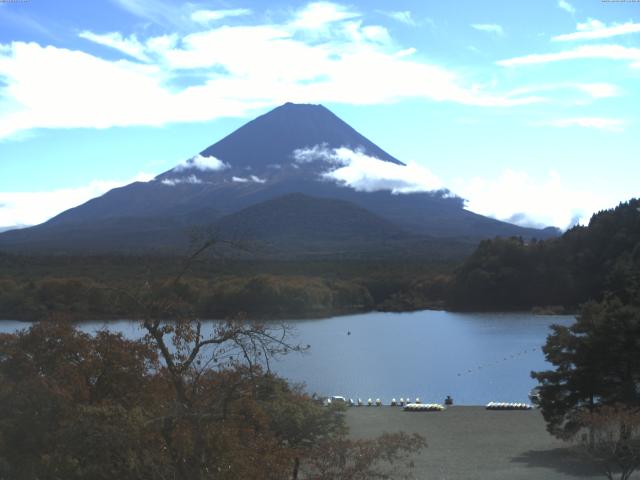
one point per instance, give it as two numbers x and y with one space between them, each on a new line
336 399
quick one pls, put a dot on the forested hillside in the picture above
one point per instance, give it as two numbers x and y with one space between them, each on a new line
583 264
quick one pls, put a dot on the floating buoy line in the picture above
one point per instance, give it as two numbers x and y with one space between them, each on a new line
513 356
508 406
417 405
423 407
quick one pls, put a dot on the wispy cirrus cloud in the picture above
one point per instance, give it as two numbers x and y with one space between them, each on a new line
605 52
599 123
129 45
25 22
402 16
157 11
206 16
594 90
489 28
566 6
596 30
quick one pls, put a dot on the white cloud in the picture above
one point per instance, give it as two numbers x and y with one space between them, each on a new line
249 179
406 52
243 68
31 208
206 16
610 124
376 33
242 51
201 163
403 16
607 52
599 90
191 179
365 173
313 153
165 13
318 15
593 90
595 29
564 5
130 45
590 25
546 201
162 44
489 28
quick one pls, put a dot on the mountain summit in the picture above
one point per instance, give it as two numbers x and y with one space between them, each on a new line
281 143
293 149
272 137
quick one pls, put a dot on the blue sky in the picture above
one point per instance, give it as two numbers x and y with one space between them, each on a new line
529 110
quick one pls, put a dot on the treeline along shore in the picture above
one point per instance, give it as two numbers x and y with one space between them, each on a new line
502 274
585 263
92 287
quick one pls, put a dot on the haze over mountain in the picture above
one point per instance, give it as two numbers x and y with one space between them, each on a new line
12 227
351 192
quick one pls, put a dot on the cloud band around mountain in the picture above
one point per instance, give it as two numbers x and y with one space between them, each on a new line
201 163
362 172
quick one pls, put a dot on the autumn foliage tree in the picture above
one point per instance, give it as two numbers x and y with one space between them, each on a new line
79 406
69 398
187 401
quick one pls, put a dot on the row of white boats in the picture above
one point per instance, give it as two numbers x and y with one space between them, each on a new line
418 406
370 402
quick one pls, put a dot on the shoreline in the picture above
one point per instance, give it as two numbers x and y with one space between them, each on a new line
318 316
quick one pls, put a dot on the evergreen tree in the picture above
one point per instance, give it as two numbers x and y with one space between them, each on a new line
597 363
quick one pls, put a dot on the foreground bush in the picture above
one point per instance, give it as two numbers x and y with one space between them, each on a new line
174 405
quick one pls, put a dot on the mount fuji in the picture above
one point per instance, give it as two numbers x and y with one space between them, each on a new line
297 178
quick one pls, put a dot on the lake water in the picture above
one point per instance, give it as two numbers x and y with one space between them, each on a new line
474 357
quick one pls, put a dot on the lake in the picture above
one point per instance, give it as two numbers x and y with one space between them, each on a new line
474 357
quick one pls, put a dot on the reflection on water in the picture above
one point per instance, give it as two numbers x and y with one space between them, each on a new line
474 357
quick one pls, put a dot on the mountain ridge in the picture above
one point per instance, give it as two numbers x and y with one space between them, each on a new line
289 150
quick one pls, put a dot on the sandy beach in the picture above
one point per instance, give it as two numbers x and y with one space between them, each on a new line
473 443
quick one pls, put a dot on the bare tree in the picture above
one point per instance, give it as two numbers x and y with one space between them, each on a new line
384 458
189 349
611 437
311 436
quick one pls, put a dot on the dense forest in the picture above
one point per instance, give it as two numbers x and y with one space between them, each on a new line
91 287
556 274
